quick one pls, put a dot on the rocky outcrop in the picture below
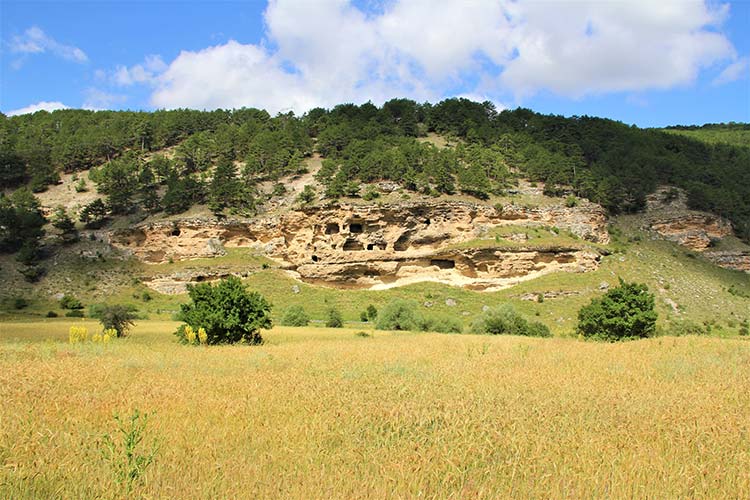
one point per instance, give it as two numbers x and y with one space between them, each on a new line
379 245
668 215
694 230
737 260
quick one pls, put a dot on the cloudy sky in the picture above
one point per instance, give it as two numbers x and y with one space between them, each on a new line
652 62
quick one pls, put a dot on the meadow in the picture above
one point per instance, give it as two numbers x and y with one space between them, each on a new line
320 413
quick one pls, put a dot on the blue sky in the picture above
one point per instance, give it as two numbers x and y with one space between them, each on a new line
648 63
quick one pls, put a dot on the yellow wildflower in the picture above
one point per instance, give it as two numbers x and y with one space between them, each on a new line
202 336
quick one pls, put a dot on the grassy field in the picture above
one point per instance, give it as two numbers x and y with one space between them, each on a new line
317 413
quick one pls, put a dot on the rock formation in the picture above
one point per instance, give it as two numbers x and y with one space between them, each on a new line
385 245
668 215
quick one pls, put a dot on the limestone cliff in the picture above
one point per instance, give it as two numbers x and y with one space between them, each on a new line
381 245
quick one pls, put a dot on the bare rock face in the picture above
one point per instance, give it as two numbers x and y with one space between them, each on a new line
378 246
696 231
739 261
668 215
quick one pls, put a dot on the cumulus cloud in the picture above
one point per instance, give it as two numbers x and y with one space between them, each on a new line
40 106
35 41
735 71
145 72
330 51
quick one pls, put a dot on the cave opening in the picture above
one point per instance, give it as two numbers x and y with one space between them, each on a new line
402 243
315 258
332 228
352 246
443 263
175 231
355 227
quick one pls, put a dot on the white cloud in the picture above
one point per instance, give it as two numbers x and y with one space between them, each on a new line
97 100
735 71
40 106
35 41
581 48
329 51
145 72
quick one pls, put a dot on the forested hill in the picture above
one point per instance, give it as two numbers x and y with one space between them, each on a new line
168 160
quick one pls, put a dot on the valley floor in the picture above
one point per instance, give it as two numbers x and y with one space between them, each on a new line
318 413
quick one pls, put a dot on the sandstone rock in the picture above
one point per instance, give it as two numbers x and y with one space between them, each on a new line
379 246
603 285
295 289
450 302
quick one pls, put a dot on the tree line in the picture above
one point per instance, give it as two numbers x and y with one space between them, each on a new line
169 160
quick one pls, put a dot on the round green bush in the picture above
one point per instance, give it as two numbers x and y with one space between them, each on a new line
624 312
295 315
399 314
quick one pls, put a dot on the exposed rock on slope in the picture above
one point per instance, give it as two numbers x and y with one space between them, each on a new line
383 245
667 214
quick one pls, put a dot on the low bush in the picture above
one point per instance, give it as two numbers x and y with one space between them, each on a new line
75 313
505 320
70 302
295 315
333 318
441 324
399 314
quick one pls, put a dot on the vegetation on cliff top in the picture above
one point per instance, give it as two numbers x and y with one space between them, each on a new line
603 160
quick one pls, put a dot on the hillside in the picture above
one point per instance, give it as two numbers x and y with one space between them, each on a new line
452 205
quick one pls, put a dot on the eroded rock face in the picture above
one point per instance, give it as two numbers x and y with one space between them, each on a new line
739 261
668 215
382 245
694 230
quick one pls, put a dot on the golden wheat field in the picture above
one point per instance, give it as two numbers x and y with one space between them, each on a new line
318 413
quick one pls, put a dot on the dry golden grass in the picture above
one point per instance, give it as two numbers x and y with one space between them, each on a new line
320 413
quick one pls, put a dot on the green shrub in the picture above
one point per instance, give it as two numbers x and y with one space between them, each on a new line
75 313
227 311
686 327
571 201
624 312
20 303
117 317
295 316
333 318
369 314
70 302
744 328
51 314
441 324
32 274
399 314
505 320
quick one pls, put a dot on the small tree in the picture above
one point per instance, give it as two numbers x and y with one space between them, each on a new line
307 195
117 317
333 318
505 320
624 312
398 314
70 302
295 316
94 215
227 311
